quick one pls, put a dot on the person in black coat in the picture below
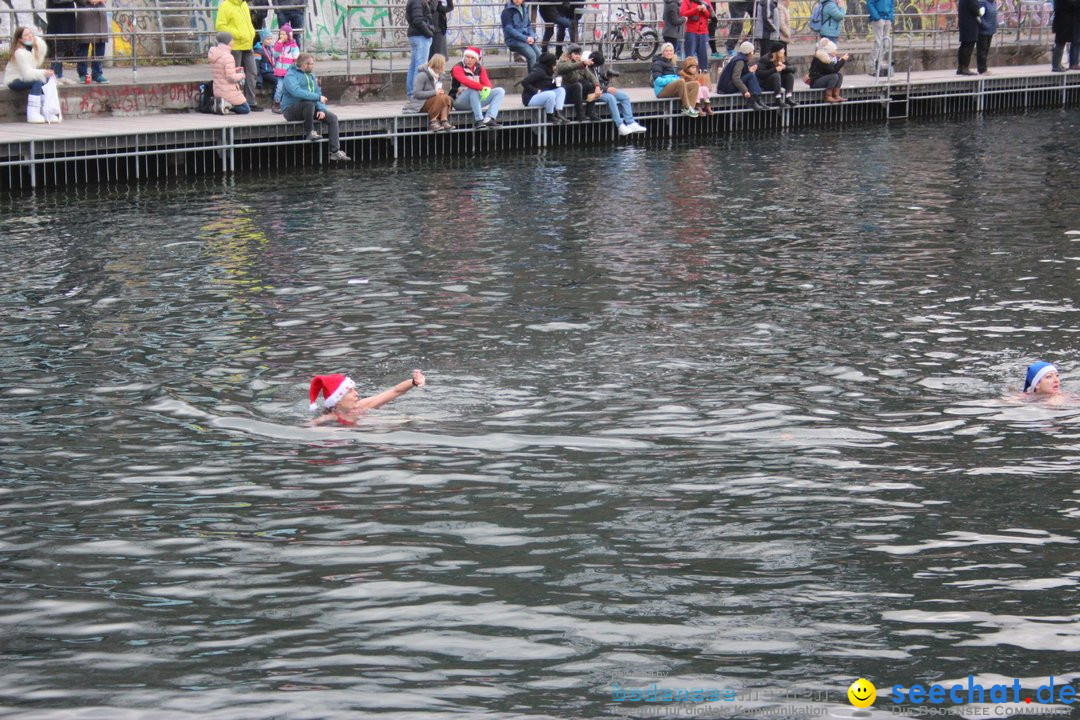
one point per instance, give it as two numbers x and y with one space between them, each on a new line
968 12
1066 29
421 17
438 40
61 35
555 17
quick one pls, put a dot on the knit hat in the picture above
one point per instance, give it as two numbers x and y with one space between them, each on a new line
287 27
1035 373
547 60
332 387
571 49
827 45
746 47
472 51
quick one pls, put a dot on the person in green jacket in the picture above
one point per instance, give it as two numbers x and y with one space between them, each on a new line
234 17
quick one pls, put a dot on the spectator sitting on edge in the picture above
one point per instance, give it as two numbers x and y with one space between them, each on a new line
471 89
539 89
302 99
24 71
618 102
429 96
518 33
668 84
234 17
738 76
824 71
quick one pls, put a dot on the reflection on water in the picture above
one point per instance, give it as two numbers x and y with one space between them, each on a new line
733 414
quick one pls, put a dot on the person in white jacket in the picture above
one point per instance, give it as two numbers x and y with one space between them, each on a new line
25 72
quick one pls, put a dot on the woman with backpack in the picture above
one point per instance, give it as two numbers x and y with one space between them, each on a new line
832 13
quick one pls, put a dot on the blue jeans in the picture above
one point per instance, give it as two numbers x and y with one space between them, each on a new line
619 106
468 98
420 46
279 88
95 60
751 82
242 109
552 100
530 52
33 87
697 45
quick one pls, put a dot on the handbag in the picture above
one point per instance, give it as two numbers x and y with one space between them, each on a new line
662 82
50 103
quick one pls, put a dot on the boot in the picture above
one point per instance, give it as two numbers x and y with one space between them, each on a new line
1056 57
33 109
754 103
831 95
837 97
706 108
561 115
556 119
790 101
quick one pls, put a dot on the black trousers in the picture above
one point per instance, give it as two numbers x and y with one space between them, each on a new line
963 55
779 81
982 51
305 110
576 93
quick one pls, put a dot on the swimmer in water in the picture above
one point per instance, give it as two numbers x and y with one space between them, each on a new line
341 402
1042 380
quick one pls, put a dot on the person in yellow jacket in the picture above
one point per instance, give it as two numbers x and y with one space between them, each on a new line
234 17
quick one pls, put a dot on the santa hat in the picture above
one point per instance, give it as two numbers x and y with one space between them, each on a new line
472 51
1035 374
332 387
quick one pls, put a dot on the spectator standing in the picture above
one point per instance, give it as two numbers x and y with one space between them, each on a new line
302 99
697 13
92 26
783 13
881 20
259 10
832 22
825 71
674 25
539 89
293 17
580 83
518 33
668 84
767 24
738 76
226 77
618 102
61 35
739 11
968 13
421 17
1066 27
25 70
557 21
286 50
438 42
429 96
987 27
776 77
234 17
471 89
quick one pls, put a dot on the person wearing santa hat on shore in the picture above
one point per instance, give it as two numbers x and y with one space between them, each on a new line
341 402
471 89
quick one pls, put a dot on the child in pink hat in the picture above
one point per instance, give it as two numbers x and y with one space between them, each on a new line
341 402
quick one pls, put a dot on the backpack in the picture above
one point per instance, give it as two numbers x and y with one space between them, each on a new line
817 16
206 97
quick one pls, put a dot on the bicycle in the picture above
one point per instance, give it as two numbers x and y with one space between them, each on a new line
632 33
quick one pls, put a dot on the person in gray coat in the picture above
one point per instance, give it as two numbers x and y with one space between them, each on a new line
429 96
766 24
674 26
92 25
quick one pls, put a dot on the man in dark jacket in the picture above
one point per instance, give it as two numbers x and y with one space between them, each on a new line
438 43
518 33
421 17
968 12
1066 29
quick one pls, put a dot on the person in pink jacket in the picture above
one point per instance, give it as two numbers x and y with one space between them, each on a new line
226 76
286 50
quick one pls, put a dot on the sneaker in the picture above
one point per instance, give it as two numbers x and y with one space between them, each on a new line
84 79
313 136
635 127
690 112
100 80
276 108
480 125
339 156
625 130
435 126
492 123
447 127
66 81
718 56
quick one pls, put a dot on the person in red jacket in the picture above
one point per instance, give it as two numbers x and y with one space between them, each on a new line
471 89
697 14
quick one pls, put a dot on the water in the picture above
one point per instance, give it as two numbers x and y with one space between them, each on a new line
731 414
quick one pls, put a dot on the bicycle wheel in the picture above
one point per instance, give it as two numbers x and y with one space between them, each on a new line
616 43
646 45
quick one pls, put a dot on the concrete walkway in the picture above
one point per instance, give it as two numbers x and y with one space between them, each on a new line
14 132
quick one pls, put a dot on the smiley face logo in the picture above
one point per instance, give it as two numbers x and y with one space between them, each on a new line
862 693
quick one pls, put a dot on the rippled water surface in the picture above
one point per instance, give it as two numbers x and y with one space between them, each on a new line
732 414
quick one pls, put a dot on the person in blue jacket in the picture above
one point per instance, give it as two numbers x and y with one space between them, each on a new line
302 99
518 32
881 20
833 13
987 27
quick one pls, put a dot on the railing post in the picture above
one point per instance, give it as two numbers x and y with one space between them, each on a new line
134 50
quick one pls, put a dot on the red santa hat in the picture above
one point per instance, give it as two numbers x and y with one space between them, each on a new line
332 387
472 51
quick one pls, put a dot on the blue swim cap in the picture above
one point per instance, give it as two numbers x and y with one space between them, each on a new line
1035 373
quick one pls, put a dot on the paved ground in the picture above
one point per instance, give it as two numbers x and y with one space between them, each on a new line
166 122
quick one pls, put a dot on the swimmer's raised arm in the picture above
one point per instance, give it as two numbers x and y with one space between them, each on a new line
374 401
